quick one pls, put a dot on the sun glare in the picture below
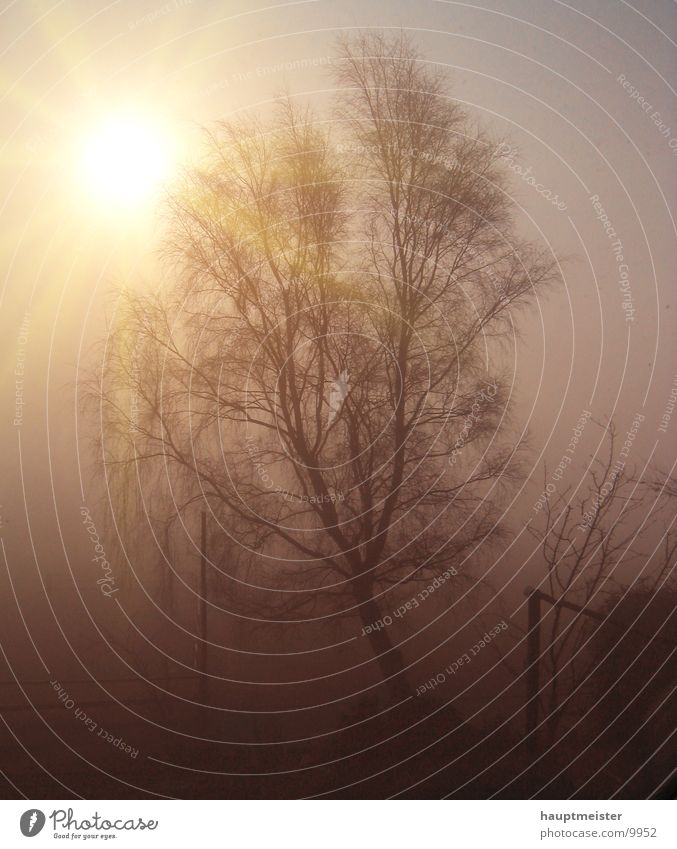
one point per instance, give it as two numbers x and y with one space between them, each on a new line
124 161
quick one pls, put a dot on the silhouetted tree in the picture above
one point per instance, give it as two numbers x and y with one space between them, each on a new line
322 366
615 521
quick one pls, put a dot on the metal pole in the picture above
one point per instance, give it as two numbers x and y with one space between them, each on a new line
202 617
531 668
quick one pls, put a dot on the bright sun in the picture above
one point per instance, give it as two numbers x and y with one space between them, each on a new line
124 160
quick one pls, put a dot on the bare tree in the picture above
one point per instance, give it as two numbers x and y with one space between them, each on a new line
618 522
324 367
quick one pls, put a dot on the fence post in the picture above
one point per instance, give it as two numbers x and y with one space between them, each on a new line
202 610
531 667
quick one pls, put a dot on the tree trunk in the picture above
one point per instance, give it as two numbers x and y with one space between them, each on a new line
388 657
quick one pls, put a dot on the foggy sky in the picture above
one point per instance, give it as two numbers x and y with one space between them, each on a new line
542 76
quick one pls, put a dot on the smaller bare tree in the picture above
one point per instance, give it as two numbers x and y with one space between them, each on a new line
621 521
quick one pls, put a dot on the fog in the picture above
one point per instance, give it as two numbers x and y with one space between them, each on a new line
254 678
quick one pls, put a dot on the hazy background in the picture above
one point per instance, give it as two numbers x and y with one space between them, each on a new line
543 75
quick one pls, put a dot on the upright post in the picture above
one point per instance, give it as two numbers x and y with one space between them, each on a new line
202 608
532 661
